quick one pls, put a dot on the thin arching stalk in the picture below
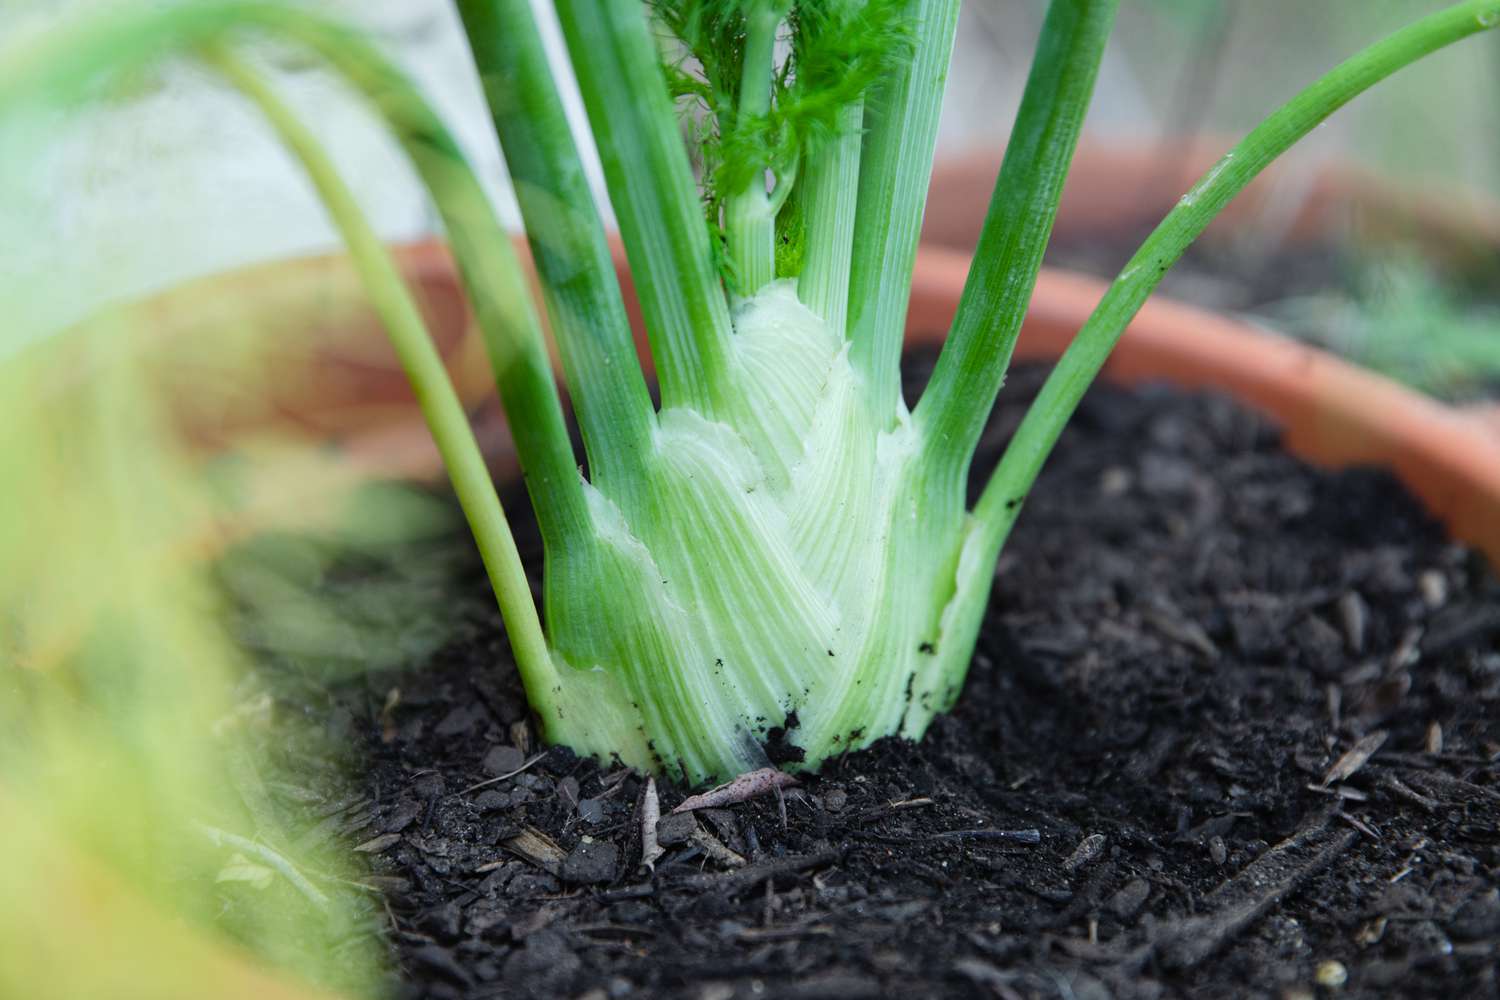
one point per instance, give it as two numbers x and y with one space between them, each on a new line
1004 494
424 369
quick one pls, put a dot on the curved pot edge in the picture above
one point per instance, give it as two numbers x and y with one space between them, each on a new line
1333 413
1123 188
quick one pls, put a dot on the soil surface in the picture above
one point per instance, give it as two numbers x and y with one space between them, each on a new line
1231 730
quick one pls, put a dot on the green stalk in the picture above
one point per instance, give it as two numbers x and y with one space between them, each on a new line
492 276
972 365
654 195
567 240
901 116
429 379
1003 496
64 65
749 219
830 197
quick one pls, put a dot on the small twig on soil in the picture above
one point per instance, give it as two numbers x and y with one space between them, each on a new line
1088 849
746 786
1354 616
714 848
1182 631
1346 766
1402 790
1358 824
1245 898
1407 652
650 816
626 930
752 875
498 778
911 803
223 838
1341 792
613 783
641 890
1031 836
377 844
895 807
783 933
535 846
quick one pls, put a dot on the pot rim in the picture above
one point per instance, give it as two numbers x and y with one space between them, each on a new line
1333 413
1125 186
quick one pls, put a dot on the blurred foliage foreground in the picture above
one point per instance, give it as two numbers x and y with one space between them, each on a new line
157 838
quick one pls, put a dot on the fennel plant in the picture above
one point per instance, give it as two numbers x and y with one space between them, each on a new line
781 550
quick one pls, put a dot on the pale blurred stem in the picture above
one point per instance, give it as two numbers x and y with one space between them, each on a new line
1003 496
830 196
749 218
429 379
277 860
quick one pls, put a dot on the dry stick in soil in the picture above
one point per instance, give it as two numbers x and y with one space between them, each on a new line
1246 897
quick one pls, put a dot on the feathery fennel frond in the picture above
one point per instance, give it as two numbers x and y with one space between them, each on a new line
832 52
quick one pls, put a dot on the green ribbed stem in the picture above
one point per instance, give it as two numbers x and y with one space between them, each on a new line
567 240
654 195
977 351
830 198
749 218
901 121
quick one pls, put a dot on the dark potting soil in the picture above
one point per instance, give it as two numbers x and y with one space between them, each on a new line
1231 730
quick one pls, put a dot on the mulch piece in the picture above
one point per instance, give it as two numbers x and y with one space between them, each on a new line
1232 729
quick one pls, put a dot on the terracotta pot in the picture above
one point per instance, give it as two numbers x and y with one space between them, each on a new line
1334 413
1118 191
291 344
